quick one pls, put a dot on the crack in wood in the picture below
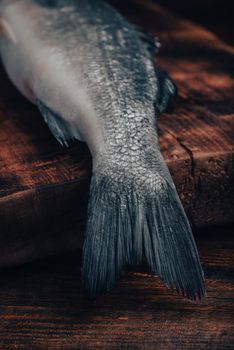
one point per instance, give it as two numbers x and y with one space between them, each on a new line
188 151
190 154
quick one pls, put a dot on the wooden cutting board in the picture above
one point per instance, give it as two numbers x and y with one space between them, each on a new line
44 187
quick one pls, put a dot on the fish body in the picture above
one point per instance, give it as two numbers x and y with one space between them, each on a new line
94 78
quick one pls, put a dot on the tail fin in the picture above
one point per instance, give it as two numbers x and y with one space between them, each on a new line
127 221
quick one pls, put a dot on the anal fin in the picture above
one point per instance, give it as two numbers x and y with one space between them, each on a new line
167 90
62 130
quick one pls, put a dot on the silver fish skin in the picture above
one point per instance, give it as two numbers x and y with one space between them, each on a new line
94 78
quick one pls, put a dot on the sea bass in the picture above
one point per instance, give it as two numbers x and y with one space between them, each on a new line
93 76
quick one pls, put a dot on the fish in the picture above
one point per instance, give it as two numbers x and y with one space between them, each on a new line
94 78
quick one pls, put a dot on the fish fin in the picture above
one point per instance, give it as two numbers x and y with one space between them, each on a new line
169 245
128 219
6 31
63 131
167 90
152 42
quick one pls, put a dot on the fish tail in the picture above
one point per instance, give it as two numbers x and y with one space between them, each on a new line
131 217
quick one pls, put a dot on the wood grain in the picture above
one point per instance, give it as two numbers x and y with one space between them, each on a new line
42 306
44 188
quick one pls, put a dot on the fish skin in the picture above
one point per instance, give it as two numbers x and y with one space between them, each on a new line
94 78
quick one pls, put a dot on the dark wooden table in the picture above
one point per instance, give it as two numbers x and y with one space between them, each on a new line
42 306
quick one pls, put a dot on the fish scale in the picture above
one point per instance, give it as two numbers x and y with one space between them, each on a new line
94 78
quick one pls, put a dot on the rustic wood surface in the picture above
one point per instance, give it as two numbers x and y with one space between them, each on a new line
42 306
44 188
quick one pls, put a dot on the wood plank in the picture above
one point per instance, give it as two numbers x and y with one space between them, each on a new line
43 187
42 306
